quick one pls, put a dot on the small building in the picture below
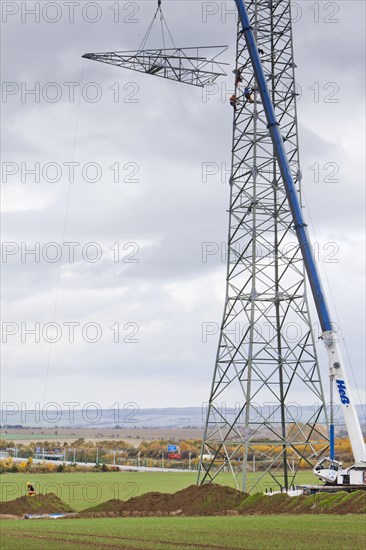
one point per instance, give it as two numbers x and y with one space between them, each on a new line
51 456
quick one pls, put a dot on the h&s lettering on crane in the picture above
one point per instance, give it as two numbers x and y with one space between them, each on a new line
342 392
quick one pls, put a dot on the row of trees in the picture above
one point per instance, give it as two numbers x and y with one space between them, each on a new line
147 449
120 452
8 465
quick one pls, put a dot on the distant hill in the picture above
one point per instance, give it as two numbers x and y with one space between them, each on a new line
133 417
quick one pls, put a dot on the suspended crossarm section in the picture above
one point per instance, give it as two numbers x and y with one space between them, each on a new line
196 66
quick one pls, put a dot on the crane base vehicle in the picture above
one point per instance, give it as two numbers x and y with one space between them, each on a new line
333 474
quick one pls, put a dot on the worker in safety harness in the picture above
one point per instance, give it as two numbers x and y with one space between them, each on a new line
238 80
248 94
233 100
238 77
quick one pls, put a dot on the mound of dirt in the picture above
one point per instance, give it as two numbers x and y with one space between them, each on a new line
38 504
212 499
203 500
321 503
263 504
353 503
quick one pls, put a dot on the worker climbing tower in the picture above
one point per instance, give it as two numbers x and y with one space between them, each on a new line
266 361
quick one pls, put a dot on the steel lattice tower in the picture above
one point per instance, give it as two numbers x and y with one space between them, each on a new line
266 351
266 361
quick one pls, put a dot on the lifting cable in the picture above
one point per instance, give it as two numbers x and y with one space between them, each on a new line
163 24
64 231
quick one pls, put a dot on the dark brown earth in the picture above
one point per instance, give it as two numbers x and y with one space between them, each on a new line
204 500
212 499
38 504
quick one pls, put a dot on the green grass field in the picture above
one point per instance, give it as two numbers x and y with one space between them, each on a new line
32 437
83 490
213 533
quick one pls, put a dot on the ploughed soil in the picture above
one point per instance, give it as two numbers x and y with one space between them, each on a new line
204 500
37 504
212 500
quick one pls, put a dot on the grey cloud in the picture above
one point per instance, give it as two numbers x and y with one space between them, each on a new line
169 133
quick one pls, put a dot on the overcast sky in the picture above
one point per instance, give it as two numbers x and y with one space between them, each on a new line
159 134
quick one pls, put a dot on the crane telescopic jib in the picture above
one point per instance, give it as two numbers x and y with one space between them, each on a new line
357 473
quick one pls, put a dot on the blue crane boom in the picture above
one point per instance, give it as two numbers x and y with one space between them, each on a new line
336 365
274 129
